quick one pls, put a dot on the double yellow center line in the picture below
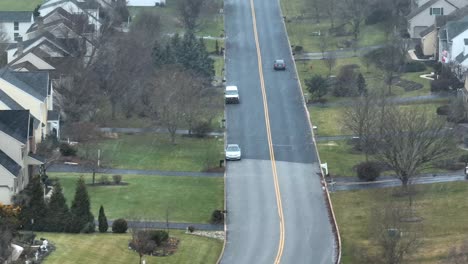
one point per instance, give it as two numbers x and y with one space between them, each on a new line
270 142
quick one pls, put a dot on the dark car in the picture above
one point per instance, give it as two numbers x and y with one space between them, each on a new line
279 65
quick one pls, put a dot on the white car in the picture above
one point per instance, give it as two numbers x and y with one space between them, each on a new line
233 152
231 95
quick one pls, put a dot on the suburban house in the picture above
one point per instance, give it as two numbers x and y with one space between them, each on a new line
15 24
453 43
32 91
88 7
17 159
48 45
430 36
423 16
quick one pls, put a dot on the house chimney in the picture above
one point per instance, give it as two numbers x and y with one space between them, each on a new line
40 23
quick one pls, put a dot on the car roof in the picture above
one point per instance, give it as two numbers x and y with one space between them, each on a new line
231 88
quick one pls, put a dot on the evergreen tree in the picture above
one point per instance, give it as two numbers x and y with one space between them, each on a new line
32 204
82 220
36 12
102 219
361 84
59 214
216 47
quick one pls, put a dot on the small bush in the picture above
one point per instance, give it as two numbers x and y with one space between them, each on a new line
368 171
463 158
117 179
191 229
119 226
377 16
67 150
441 85
202 129
104 179
217 217
298 49
414 66
159 236
443 110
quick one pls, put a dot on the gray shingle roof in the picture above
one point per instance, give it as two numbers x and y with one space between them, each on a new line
9 164
454 28
421 8
12 104
34 83
461 58
15 124
15 16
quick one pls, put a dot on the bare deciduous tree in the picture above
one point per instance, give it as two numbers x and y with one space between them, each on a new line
330 61
189 13
361 118
457 254
142 243
411 140
355 12
394 230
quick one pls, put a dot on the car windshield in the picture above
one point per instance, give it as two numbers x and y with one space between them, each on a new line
231 92
233 148
280 62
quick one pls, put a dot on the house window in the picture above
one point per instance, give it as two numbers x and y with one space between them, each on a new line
16 25
17 36
436 11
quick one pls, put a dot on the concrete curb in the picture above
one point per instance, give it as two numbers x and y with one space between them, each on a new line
324 182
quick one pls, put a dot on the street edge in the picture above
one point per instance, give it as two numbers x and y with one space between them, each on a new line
225 141
324 182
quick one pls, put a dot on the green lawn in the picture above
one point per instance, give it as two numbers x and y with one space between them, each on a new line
219 67
189 199
113 248
340 156
441 206
156 152
22 5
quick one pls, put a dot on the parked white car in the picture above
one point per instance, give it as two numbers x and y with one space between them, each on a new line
231 95
233 152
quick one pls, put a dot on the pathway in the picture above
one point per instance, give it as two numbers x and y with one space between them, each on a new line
350 183
80 169
341 53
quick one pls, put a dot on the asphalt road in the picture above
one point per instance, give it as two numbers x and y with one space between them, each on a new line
253 215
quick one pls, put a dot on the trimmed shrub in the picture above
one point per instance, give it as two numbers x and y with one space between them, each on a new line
217 217
117 179
414 66
443 110
67 150
202 129
377 16
463 158
298 49
119 226
191 229
159 236
440 85
368 171
104 179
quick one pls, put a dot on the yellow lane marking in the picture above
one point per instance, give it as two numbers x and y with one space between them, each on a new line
270 142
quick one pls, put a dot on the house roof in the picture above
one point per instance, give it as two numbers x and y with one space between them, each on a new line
9 164
33 83
418 10
12 104
441 21
15 123
53 115
15 16
455 28
83 5
68 46
26 65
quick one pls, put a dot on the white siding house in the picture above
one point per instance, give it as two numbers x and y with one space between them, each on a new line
453 43
89 8
145 2
15 24
424 15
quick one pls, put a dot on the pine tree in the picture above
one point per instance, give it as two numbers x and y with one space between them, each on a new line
102 219
32 204
82 220
361 85
59 214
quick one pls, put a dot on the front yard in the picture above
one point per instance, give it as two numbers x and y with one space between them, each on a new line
187 199
442 208
153 151
15 5
113 248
